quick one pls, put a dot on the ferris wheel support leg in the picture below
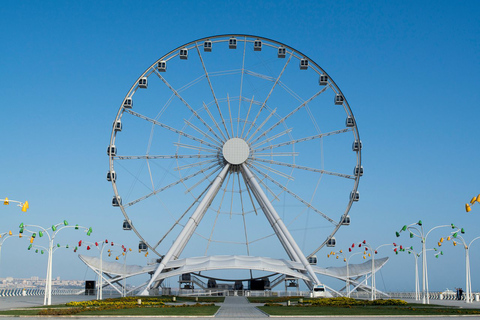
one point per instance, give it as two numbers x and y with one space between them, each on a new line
277 224
189 228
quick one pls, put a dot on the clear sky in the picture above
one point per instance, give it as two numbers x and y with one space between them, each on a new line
410 71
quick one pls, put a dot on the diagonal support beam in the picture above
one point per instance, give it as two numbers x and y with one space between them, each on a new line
278 225
189 228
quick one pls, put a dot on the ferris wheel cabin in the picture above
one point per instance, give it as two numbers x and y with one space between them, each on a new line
232 43
162 66
257 45
116 201
304 64
143 82
346 221
358 171
357 145
112 151
339 99
184 53
323 80
282 52
355 196
349 122
117 126
312 260
207 46
331 242
142 246
127 225
111 176
128 103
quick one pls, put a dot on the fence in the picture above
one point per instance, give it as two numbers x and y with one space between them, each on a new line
448 295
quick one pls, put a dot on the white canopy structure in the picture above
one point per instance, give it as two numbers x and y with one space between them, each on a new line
208 263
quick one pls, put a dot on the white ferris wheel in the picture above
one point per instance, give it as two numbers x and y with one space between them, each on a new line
231 148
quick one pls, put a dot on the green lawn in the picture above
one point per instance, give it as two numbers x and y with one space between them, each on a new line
147 311
366 310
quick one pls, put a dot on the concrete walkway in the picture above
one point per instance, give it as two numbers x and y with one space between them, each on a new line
239 307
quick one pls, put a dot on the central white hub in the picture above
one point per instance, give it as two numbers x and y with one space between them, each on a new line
236 151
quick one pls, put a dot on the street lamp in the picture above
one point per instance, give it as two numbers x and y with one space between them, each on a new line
373 253
23 205
416 230
347 261
54 229
468 280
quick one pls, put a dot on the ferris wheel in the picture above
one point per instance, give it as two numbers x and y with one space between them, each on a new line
235 144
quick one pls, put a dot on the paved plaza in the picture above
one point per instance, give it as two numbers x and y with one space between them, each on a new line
233 308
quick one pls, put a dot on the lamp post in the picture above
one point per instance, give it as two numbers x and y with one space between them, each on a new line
373 253
416 230
54 229
347 261
23 205
417 284
468 280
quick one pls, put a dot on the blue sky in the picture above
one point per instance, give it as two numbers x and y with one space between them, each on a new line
409 70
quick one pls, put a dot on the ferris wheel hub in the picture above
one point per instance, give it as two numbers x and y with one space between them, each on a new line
236 151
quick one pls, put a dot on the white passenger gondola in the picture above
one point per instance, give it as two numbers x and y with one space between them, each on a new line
304 64
127 225
323 80
128 103
331 242
184 53
357 145
349 122
111 176
116 201
232 43
355 196
339 99
142 246
312 260
162 66
143 82
117 125
346 221
282 52
207 46
257 45
358 171
112 151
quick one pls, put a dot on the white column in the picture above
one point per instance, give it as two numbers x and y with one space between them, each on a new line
189 228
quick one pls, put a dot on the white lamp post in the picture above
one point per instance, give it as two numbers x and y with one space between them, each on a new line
416 230
51 237
347 261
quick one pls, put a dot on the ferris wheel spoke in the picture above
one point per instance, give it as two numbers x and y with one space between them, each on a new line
230 114
250 195
290 114
306 203
272 170
291 165
177 222
187 105
278 135
211 89
216 217
262 124
188 146
196 164
174 156
155 122
268 96
169 186
248 113
201 132
317 136
276 154
259 75
203 179
241 86
214 121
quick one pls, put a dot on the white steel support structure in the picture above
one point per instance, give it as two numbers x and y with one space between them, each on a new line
277 224
187 231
